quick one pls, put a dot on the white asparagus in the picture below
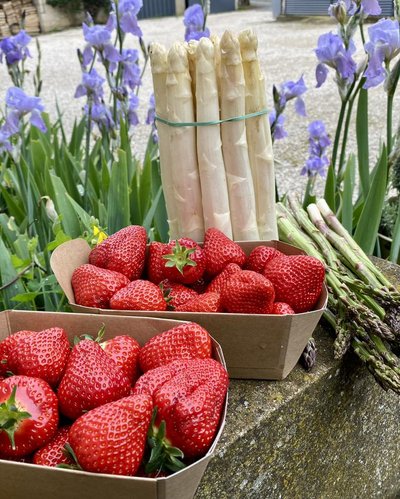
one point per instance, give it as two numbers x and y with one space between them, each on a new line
259 138
209 147
183 158
234 143
217 60
159 70
191 48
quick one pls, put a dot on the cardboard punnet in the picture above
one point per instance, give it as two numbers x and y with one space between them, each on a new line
255 346
22 481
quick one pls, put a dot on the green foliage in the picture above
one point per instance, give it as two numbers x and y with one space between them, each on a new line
42 206
92 6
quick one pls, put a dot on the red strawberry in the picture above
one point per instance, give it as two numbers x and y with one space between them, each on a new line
139 295
219 281
186 341
220 250
207 302
184 261
155 262
53 453
176 294
124 350
93 286
41 355
199 286
259 257
28 415
7 344
189 399
111 439
297 279
91 379
281 308
122 252
248 292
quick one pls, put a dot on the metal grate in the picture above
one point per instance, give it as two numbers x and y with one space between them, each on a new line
157 8
320 7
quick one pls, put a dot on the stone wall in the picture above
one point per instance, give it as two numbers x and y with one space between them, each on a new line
54 19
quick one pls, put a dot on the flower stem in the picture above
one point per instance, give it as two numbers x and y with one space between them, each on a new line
338 133
87 156
389 116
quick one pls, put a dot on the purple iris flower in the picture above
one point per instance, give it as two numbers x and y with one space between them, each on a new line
131 70
293 90
368 7
332 52
101 115
20 104
127 12
133 106
193 19
276 124
151 118
99 38
383 46
319 141
5 144
14 48
92 86
339 11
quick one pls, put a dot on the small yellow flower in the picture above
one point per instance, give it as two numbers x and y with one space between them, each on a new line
99 234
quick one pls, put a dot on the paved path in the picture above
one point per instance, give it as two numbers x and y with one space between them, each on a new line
286 52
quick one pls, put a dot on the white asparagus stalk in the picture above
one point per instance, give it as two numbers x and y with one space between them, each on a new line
259 138
183 157
191 48
234 142
209 147
217 59
159 70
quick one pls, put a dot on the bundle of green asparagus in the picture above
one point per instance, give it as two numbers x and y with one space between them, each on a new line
363 306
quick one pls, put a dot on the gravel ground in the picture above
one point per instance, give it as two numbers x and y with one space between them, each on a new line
286 53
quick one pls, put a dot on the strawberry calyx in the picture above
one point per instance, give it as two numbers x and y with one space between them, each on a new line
69 452
163 456
180 257
99 338
166 291
11 417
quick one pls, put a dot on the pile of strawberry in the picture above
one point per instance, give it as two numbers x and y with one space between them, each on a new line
185 277
90 407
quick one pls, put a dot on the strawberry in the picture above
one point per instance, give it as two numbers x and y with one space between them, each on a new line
6 345
91 379
281 308
297 279
219 251
219 281
54 453
207 302
124 350
248 292
199 286
184 261
139 295
155 262
176 294
186 341
41 355
259 257
122 252
189 397
28 415
111 438
93 286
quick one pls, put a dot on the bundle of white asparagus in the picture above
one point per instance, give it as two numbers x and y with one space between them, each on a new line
221 174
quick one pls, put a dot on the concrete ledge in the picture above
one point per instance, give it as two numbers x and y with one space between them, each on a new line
333 433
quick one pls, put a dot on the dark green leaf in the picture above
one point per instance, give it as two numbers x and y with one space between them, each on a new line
368 224
118 195
330 189
362 141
